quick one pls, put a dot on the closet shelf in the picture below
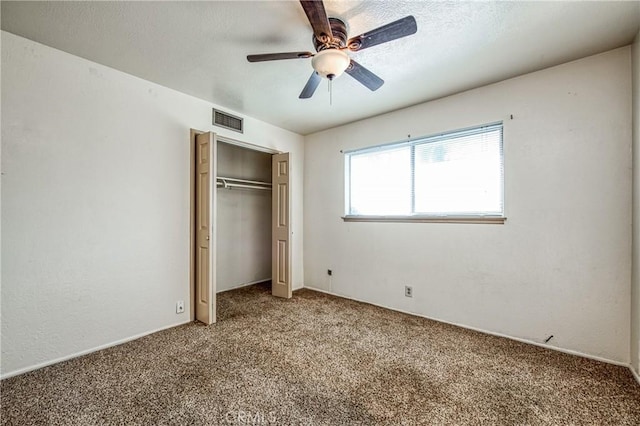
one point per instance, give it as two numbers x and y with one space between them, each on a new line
229 183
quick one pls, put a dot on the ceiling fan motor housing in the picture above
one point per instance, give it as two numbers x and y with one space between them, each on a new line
338 39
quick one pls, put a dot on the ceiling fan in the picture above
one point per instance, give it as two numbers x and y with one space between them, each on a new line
330 41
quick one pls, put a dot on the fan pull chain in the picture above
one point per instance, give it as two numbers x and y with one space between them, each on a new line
330 93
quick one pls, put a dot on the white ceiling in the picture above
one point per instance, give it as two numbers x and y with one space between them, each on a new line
200 48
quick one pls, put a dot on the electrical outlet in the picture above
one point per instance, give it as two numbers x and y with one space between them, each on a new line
329 272
179 306
408 291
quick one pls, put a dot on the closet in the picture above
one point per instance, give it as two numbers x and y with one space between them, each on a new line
243 216
240 220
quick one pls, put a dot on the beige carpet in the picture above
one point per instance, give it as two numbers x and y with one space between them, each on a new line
321 360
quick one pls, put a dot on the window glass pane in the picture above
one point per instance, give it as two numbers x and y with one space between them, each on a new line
459 175
381 182
450 174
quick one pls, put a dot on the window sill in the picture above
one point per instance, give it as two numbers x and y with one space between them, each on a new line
495 220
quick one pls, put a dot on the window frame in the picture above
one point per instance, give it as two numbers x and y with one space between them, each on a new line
421 217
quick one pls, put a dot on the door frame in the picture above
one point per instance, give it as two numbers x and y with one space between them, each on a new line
192 205
192 224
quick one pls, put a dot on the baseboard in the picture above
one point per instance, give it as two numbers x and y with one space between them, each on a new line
298 287
87 351
244 285
518 339
146 333
635 374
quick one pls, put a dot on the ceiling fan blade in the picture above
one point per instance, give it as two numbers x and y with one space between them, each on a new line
317 17
311 86
364 76
278 56
395 30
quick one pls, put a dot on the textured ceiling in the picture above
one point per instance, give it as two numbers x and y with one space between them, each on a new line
200 48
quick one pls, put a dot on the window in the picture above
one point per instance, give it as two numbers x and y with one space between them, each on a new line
456 175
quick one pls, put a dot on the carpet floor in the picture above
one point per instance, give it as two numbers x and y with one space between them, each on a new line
321 360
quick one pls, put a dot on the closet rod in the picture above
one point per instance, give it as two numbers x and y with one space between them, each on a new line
255 182
240 185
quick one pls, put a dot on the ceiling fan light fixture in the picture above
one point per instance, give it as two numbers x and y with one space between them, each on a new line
330 63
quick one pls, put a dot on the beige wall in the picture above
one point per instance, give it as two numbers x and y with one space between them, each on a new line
95 203
90 154
561 265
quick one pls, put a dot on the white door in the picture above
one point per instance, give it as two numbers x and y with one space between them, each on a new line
205 262
281 227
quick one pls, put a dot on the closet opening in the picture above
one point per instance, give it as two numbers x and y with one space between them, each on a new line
243 217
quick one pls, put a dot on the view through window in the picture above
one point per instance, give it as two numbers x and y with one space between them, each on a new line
453 174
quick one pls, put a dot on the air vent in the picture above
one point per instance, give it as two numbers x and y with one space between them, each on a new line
226 120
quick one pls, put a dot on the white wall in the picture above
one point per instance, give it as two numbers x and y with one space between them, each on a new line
635 282
95 202
559 266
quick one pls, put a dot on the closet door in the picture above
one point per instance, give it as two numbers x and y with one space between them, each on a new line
281 227
205 262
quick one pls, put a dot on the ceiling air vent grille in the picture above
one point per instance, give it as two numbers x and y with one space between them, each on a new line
228 121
